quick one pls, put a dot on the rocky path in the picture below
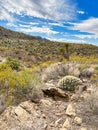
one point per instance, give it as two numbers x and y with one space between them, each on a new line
51 113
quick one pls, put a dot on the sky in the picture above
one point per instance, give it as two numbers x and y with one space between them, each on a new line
73 21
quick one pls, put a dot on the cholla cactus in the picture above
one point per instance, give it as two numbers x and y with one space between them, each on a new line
69 83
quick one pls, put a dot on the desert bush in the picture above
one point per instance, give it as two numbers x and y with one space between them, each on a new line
36 94
96 68
92 100
87 72
69 83
54 71
13 63
2 104
73 69
60 69
17 85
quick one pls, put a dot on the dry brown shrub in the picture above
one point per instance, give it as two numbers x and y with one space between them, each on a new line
54 71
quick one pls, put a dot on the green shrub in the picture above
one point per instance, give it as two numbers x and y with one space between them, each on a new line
13 63
16 86
69 83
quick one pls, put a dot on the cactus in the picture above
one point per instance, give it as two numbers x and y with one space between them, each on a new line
69 83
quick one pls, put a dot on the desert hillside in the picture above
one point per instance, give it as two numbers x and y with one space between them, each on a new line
46 85
14 43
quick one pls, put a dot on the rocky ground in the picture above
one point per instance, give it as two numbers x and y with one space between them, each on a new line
57 110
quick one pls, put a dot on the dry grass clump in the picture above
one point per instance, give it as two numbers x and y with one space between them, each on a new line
92 100
87 72
54 71
73 69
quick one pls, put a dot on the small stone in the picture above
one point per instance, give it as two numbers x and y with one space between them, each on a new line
57 122
83 128
67 124
63 129
58 114
70 111
44 116
75 97
78 120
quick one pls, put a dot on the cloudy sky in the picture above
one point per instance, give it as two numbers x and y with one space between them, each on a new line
58 20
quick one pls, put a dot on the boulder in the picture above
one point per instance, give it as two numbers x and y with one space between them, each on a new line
53 91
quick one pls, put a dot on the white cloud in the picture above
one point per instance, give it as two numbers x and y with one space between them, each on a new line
9 24
90 26
33 23
80 12
47 9
5 15
83 36
67 40
44 30
59 24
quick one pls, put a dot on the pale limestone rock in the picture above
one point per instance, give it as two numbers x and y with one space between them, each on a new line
78 120
21 113
57 122
29 106
70 111
45 102
67 124
63 129
83 128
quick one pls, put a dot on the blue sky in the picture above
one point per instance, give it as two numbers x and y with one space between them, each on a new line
59 20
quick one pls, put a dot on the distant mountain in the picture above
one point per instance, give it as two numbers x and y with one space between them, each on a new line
41 48
7 33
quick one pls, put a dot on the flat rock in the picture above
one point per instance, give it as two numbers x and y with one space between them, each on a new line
53 91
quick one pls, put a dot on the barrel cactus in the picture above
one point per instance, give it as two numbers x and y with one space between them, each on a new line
69 83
